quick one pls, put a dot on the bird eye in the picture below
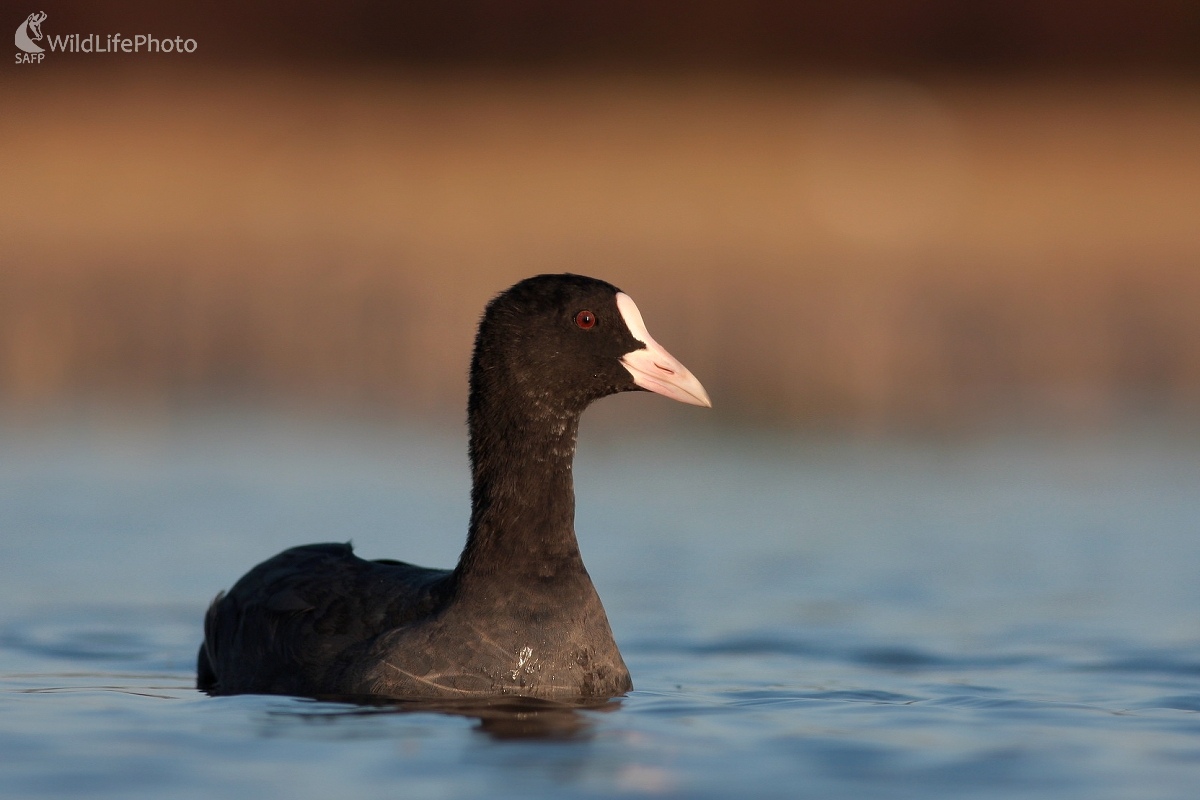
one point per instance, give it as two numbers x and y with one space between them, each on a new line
585 319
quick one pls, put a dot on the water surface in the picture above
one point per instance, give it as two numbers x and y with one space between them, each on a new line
803 618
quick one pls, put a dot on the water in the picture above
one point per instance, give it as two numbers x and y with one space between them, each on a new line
803 618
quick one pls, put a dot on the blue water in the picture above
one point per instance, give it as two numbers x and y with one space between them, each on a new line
827 618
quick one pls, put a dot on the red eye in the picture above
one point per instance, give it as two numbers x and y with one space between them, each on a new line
585 319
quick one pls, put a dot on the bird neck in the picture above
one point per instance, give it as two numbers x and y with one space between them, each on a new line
522 492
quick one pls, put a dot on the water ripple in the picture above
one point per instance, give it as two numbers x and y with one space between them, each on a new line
131 637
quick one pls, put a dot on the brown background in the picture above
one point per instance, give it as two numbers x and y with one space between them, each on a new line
873 215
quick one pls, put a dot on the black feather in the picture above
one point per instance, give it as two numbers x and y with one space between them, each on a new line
519 614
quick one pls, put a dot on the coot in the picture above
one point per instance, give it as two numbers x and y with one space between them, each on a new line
518 616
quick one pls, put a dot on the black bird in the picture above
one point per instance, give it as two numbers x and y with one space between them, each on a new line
518 616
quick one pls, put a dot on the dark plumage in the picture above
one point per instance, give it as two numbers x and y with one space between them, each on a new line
518 615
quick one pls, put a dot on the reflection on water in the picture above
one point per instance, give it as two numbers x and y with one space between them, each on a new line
507 718
801 618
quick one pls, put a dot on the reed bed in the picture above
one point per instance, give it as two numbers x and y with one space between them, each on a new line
870 253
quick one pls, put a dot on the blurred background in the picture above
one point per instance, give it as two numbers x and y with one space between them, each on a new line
937 263
874 215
